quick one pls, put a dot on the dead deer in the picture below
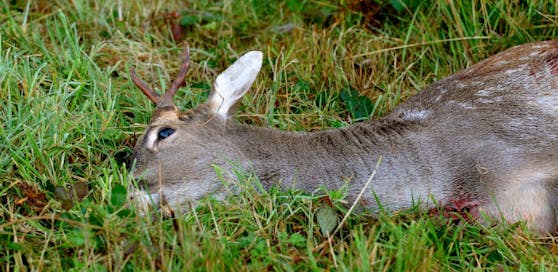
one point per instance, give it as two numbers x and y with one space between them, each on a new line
484 140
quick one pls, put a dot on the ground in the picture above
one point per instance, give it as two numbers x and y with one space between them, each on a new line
70 117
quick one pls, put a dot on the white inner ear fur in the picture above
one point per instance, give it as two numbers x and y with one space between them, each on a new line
234 82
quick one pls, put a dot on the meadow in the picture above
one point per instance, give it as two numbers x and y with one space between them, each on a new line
70 117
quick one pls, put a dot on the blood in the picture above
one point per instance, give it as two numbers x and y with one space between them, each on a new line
456 210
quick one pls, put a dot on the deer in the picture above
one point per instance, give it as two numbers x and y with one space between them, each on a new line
482 141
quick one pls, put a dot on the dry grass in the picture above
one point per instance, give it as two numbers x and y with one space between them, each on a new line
70 117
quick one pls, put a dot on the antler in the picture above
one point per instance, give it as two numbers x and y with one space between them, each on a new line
166 99
153 96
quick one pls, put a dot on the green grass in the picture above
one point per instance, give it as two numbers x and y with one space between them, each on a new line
70 117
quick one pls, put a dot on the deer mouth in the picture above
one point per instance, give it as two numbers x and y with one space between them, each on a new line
143 200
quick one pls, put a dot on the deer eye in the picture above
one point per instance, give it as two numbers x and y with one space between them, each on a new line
164 133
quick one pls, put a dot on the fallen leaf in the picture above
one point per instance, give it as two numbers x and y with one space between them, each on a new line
327 220
20 201
35 198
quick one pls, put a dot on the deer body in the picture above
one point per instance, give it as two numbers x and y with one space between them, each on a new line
485 138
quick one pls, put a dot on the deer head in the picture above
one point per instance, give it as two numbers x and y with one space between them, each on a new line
176 156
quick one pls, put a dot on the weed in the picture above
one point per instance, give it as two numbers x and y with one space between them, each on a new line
70 117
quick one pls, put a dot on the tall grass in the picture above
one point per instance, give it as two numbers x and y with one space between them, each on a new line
70 117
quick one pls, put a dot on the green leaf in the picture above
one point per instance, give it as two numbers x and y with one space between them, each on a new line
337 124
297 240
118 196
124 213
246 241
76 238
211 26
15 246
360 107
188 20
327 220
295 5
397 5
201 85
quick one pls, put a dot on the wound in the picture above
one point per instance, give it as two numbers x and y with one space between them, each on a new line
457 210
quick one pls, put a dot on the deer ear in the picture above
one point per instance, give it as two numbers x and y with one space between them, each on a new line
234 82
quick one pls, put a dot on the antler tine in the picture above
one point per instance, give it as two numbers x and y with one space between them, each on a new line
180 78
153 96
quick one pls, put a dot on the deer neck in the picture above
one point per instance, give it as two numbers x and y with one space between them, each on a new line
333 157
